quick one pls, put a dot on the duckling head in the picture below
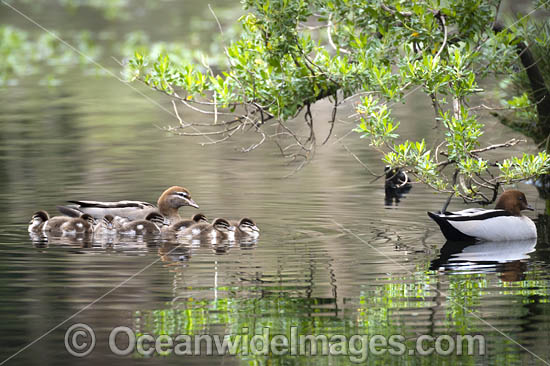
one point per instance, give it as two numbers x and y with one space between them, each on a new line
108 222
174 198
513 201
39 217
248 226
156 218
199 218
88 218
222 225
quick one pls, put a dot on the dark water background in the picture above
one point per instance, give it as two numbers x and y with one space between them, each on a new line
333 257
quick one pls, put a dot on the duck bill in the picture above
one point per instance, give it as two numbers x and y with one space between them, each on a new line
530 208
191 203
231 228
255 228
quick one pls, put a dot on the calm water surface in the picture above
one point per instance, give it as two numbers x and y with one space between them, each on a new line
334 257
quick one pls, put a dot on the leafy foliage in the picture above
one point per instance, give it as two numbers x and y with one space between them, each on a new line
284 61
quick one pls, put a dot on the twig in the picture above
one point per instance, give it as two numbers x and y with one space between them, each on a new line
178 115
333 118
448 201
329 36
441 18
508 143
360 162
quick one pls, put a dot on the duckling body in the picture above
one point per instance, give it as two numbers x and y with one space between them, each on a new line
138 227
245 229
167 205
504 223
63 224
106 226
179 226
220 229
81 225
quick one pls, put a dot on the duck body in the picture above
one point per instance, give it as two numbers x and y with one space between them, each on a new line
167 205
504 223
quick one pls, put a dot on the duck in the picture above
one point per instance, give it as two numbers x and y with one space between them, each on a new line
106 226
149 225
245 229
82 225
180 226
41 221
219 229
168 205
503 223
396 178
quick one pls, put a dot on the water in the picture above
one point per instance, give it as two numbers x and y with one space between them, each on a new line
333 258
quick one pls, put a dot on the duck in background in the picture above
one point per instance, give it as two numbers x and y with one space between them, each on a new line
220 229
504 223
167 205
396 185
245 229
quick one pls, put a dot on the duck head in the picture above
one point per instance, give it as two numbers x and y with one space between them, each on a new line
173 198
513 201
248 226
222 225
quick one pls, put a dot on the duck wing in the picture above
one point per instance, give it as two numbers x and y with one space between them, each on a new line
130 209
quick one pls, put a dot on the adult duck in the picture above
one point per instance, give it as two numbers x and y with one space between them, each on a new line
504 223
167 205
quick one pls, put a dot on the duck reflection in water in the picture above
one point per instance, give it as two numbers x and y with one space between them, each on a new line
507 258
396 185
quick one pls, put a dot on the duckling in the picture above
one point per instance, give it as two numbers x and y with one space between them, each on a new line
179 226
139 227
245 229
82 225
106 226
219 229
69 225
167 205
37 222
